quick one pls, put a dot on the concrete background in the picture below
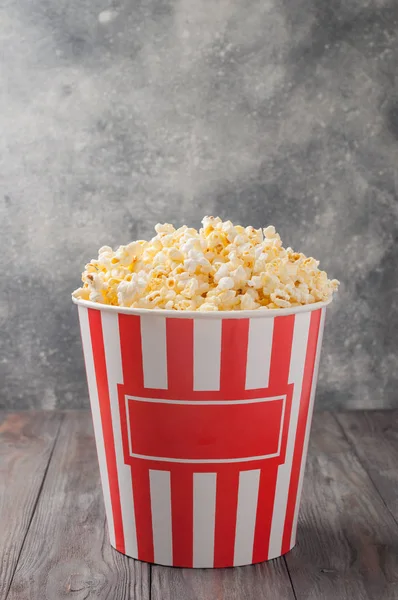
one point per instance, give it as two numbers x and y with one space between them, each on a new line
116 116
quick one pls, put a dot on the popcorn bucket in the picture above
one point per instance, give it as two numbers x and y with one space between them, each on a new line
201 423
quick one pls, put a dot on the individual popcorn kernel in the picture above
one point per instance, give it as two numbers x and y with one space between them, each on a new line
226 283
207 307
164 228
247 302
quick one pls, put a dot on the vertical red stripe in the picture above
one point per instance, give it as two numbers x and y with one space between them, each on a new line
182 515
133 377
179 334
234 341
278 382
97 341
281 351
131 350
265 506
301 427
226 510
142 509
286 423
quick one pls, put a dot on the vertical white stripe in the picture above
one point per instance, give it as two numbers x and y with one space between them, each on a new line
207 354
296 372
154 351
204 518
259 353
308 427
113 358
246 516
95 411
161 516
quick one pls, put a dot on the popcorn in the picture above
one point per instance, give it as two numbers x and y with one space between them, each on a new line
247 302
226 283
220 267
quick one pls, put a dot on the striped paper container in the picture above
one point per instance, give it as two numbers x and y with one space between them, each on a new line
201 423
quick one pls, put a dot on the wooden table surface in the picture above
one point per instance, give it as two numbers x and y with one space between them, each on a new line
54 544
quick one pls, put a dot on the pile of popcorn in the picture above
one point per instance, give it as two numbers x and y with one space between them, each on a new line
220 267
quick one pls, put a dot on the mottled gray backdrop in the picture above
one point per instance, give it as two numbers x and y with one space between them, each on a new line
114 116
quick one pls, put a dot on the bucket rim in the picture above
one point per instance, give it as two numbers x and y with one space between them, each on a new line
196 314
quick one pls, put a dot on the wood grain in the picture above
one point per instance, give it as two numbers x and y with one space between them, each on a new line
267 581
67 552
347 539
374 435
26 442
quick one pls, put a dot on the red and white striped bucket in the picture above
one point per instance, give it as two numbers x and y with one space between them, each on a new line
202 423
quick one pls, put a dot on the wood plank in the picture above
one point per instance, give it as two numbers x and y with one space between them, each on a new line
67 552
265 581
347 545
26 443
374 435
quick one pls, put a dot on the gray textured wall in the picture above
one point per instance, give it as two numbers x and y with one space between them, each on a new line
114 117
